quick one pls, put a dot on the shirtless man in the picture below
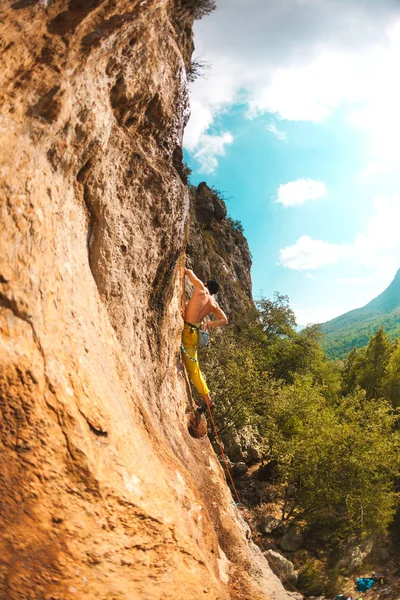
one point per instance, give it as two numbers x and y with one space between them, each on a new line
200 305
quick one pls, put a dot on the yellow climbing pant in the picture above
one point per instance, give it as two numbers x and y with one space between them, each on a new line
190 341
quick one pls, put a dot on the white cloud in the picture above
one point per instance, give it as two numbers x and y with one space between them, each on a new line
376 248
301 59
298 192
307 253
278 133
197 126
379 245
210 147
309 92
310 276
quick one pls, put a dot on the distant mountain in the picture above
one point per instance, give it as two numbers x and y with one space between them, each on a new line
354 328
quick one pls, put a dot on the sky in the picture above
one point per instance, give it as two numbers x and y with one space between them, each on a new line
296 120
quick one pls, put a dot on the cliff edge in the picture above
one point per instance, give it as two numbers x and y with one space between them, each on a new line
103 493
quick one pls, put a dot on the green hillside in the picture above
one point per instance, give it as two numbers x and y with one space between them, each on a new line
354 328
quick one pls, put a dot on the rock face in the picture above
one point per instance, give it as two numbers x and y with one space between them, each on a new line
218 250
283 566
103 492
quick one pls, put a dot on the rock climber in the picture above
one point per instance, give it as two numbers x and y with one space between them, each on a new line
199 306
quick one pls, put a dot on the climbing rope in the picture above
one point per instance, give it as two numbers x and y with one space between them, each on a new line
254 533
187 354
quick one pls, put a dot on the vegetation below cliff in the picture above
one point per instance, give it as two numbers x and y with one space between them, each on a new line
325 432
328 434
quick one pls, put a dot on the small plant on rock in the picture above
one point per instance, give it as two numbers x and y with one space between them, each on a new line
200 8
198 68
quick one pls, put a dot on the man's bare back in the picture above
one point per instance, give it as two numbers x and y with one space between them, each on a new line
202 304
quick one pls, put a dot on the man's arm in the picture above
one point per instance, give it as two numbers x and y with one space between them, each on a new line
193 279
222 319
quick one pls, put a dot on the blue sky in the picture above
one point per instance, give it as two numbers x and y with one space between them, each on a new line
296 123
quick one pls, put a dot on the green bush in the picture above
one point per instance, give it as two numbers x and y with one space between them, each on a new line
311 579
198 8
236 225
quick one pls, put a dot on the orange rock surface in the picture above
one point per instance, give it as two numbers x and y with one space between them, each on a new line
104 495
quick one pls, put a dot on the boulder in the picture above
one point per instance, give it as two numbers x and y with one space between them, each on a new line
292 540
269 524
250 442
355 555
239 469
297 596
282 566
243 445
264 491
233 448
254 453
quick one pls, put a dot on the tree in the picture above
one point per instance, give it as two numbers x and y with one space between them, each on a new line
351 370
337 455
391 384
368 367
338 463
237 383
376 360
198 68
276 316
296 353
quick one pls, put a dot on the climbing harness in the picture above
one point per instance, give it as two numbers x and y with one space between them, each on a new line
204 336
239 504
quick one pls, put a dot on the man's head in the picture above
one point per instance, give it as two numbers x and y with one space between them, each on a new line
212 286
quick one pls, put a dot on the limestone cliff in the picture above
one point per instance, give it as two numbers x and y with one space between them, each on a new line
103 493
217 249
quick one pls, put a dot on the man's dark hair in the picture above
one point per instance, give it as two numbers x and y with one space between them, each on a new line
212 286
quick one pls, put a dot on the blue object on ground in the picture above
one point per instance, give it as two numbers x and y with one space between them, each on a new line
364 583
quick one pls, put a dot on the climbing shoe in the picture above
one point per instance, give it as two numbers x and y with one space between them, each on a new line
202 409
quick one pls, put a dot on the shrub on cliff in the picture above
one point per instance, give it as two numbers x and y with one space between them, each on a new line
198 68
236 225
198 8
